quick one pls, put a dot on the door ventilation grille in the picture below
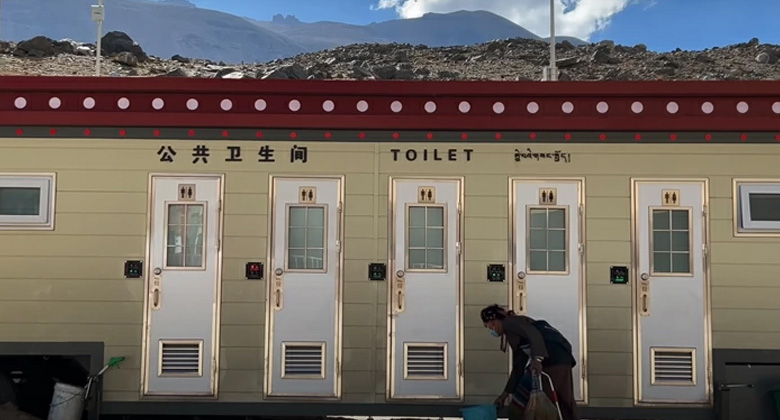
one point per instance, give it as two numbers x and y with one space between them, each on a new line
304 360
425 361
674 366
181 358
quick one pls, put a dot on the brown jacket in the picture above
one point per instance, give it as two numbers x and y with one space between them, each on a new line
520 333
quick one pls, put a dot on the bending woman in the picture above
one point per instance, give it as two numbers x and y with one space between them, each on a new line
536 347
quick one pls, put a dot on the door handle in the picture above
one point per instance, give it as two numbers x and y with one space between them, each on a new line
156 288
278 290
644 294
400 292
520 293
729 387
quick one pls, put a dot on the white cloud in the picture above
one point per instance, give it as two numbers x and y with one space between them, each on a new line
578 18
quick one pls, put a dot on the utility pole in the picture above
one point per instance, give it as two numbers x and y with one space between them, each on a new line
98 15
553 69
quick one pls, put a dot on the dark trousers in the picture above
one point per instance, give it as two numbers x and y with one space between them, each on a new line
561 376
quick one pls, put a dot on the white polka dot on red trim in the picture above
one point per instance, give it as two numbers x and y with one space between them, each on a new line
294 105
532 107
637 107
55 103
226 104
464 107
672 107
261 105
499 108
602 107
396 106
776 107
328 106
567 107
89 103
158 103
123 103
362 106
430 107
20 103
743 107
192 104
707 107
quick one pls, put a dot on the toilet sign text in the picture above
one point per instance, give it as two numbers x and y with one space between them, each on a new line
528 154
202 154
432 155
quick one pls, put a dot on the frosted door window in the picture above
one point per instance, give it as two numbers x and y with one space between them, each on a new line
184 239
425 238
306 238
547 250
671 241
20 201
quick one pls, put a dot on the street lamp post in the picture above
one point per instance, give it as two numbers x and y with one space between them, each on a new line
98 15
553 69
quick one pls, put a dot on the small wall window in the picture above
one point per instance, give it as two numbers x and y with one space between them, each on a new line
758 207
27 202
546 240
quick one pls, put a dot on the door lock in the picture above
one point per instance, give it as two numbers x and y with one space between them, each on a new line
156 289
644 295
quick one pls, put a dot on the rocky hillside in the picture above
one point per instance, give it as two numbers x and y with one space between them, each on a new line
511 59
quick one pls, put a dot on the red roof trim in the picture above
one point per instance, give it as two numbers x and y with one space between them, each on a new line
747 106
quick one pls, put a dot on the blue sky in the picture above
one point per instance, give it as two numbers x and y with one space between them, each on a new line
662 25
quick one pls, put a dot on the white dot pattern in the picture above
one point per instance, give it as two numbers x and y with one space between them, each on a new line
499 108
637 107
192 104
89 103
430 107
260 105
672 107
328 106
362 106
602 107
707 107
55 103
294 105
532 107
226 104
567 107
20 103
464 107
396 106
123 103
158 104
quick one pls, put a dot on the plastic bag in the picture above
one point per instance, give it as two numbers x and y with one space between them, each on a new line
539 406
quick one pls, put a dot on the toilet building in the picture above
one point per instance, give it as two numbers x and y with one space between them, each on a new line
296 247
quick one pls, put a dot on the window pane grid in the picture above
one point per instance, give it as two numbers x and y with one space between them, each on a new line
671 241
184 239
547 246
306 238
425 238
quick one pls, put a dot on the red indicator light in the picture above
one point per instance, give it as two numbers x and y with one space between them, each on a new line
157 133
87 132
708 137
777 137
191 133
123 132
532 136
673 137
293 135
53 131
225 133
430 136
602 136
259 134
464 136
328 135
362 135
637 137
567 136
396 135
498 136
19 132
743 137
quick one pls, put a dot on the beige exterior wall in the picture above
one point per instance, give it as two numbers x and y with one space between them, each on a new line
67 284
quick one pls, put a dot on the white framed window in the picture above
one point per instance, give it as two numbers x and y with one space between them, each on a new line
757 207
27 201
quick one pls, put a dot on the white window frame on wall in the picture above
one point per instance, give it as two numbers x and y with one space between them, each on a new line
743 224
45 219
